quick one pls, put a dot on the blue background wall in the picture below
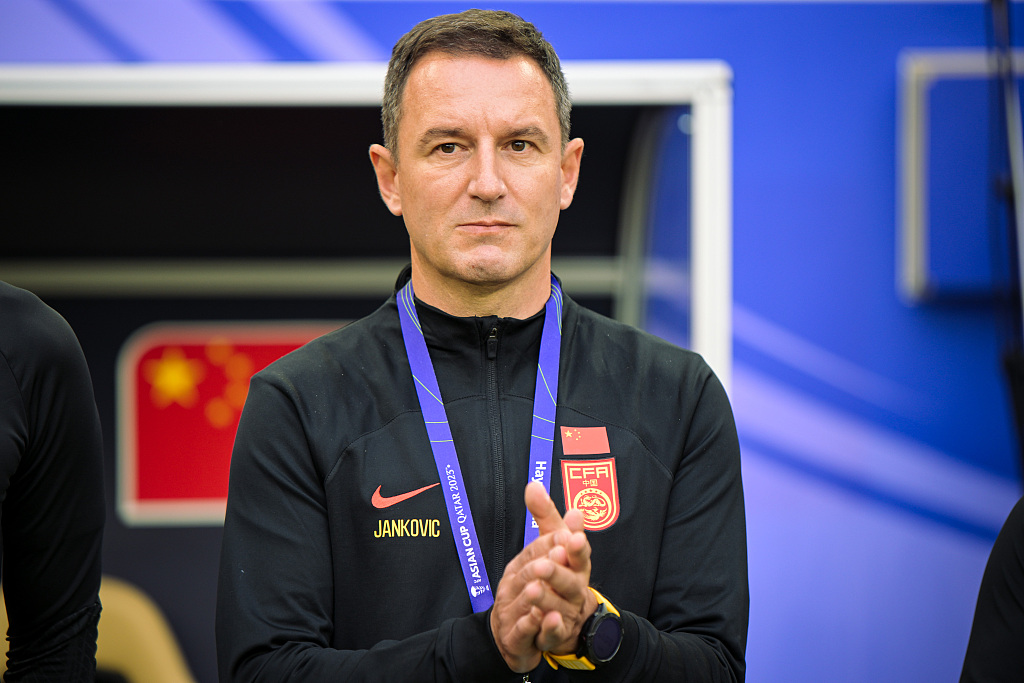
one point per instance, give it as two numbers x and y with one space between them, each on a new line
878 452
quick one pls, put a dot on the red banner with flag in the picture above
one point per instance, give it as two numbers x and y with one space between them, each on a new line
181 388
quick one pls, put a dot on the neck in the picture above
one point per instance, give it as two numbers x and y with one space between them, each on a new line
520 299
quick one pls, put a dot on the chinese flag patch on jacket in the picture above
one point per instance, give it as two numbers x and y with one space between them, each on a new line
584 440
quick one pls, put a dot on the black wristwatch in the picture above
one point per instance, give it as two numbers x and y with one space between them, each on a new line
600 638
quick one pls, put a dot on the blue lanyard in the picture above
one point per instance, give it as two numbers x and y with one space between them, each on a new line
443 445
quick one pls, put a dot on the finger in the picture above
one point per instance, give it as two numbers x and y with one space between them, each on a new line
559 555
560 591
539 547
520 641
553 634
544 583
515 623
566 587
571 550
539 503
510 605
536 572
573 520
525 629
517 594
578 550
562 596
557 636
563 619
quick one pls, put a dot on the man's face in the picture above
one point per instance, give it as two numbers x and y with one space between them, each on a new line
482 176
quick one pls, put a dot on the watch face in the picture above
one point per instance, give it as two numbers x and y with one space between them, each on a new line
606 639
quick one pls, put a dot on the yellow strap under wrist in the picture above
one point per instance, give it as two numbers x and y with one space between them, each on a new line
569 662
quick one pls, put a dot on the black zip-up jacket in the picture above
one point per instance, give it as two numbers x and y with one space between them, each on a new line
318 584
51 488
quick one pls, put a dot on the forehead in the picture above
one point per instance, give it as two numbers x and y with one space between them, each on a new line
459 90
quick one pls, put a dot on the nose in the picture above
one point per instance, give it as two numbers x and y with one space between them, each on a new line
487 182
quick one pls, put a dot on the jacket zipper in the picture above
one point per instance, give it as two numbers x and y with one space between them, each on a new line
497 452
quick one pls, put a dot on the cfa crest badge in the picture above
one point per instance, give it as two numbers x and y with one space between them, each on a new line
592 488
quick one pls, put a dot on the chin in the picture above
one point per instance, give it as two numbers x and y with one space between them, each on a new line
486 270
493 271
486 276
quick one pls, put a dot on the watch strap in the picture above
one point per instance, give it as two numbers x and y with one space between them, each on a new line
569 662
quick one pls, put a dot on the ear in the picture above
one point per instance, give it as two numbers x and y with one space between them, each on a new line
387 177
571 158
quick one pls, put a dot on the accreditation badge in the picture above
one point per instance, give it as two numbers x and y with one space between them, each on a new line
592 488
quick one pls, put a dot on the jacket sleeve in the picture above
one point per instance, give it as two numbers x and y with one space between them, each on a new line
275 599
993 650
696 628
53 509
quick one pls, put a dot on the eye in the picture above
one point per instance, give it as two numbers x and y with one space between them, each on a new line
447 148
519 145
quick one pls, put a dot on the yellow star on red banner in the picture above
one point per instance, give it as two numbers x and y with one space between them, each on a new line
173 378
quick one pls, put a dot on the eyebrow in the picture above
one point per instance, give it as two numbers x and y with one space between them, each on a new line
436 133
526 132
529 133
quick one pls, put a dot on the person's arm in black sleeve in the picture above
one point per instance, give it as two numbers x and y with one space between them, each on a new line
696 629
53 510
994 652
276 592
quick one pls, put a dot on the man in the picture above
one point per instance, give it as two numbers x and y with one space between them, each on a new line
377 525
51 486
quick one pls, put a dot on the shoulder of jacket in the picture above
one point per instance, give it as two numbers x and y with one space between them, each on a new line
603 334
353 345
33 330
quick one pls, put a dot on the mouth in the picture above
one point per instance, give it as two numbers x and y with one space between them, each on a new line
486 223
484 226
